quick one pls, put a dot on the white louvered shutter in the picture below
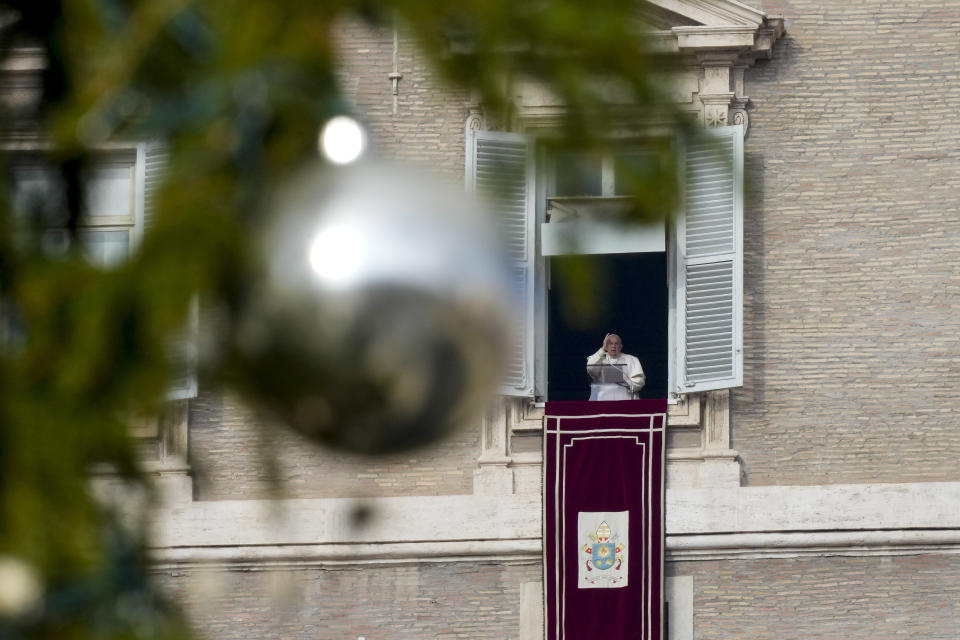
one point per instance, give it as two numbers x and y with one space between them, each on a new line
499 170
182 349
710 264
155 159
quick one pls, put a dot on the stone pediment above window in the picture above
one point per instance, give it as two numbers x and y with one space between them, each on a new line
691 26
707 12
718 40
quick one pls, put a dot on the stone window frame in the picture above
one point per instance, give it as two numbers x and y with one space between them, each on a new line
719 40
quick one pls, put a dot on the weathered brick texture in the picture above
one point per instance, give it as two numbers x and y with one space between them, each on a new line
813 598
852 248
227 452
469 601
838 598
428 128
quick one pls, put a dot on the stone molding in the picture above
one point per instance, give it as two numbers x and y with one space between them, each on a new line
162 441
712 38
713 463
685 412
813 543
297 557
730 38
713 12
501 471
493 475
167 438
678 549
475 119
745 522
850 507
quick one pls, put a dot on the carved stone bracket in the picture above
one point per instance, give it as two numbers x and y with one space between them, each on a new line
162 441
722 93
717 87
686 412
721 466
706 462
493 475
713 463
475 119
169 464
716 109
723 54
740 102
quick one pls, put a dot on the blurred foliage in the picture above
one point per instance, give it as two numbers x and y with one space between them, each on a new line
238 92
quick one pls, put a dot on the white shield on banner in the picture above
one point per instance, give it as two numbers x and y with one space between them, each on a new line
602 549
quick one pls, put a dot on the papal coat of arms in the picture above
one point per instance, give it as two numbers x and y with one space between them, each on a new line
603 550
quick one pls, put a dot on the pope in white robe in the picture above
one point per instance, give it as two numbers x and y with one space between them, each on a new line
608 384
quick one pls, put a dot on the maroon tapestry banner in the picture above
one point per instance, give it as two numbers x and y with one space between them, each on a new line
603 502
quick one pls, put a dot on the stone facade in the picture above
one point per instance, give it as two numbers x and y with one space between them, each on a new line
232 461
915 596
468 601
852 247
826 598
817 501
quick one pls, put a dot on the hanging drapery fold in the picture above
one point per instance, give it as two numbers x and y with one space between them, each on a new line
603 501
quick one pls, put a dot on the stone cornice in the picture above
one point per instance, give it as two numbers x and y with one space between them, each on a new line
843 507
516 551
880 542
745 522
730 38
732 546
746 43
724 37
713 12
346 521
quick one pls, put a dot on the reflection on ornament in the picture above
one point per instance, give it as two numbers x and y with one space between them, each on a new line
381 320
342 140
336 253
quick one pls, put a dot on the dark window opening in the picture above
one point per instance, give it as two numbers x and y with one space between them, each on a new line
631 302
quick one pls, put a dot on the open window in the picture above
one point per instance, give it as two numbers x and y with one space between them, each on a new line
604 272
675 295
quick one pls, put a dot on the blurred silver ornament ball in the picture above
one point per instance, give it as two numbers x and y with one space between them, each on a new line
382 319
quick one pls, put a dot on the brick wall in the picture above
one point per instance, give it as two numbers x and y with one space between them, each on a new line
815 598
428 127
838 598
852 244
472 601
226 450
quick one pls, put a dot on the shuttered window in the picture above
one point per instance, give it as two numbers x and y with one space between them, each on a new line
153 160
709 264
707 249
120 203
499 171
